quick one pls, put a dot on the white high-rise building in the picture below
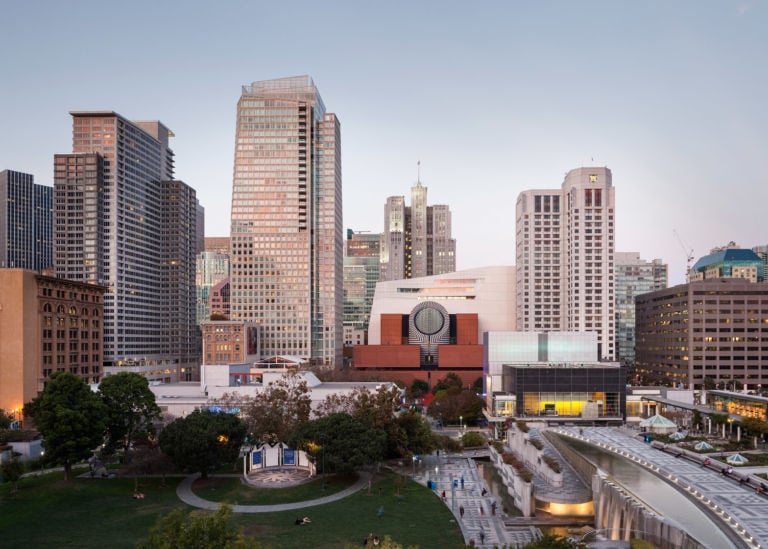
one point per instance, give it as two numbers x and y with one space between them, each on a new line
565 258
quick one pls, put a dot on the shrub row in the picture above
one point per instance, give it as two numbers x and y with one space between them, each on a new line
523 426
521 470
553 463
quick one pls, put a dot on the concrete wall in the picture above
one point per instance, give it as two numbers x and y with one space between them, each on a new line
521 491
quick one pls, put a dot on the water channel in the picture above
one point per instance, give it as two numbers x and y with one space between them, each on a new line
661 497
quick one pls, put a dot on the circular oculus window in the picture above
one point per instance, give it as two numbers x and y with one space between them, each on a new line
429 321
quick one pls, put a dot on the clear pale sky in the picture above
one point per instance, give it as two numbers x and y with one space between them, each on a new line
492 97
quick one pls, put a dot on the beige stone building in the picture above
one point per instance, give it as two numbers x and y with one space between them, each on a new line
47 325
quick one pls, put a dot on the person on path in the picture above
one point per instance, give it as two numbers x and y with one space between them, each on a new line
380 512
482 511
482 537
493 508
461 511
462 483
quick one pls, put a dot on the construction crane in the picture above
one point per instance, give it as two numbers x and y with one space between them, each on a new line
688 256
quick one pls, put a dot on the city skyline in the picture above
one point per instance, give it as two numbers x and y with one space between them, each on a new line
505 98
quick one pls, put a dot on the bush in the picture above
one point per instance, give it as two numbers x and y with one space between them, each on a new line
444 442
552 463
498 446
522 425
536 443
471 439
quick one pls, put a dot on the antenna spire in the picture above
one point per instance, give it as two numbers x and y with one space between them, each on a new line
418 171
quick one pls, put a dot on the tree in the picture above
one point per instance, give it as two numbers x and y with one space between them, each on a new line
12 471
376 407
696 420
197 530
419 388
277 411
346 441
450 405
5 419
203 440
450 381
71 419
478 386
131 407
416 435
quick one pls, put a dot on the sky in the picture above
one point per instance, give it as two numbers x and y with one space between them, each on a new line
491 97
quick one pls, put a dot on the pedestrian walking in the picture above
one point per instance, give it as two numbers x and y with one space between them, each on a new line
462 483
482 511
493 508
461 511
380 512
482 537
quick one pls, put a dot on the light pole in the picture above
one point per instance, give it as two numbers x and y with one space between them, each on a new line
461 424
413 469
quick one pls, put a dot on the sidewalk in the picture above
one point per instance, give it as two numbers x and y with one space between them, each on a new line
184 491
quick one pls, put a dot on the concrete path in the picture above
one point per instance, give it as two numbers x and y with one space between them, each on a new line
185 493
478 511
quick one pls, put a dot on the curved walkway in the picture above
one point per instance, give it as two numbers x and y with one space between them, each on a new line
185 493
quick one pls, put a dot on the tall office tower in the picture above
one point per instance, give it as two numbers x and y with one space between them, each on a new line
565 263
287 239
26 222
200 236
115 208
417 239
634 276
212 268
182 337
361 273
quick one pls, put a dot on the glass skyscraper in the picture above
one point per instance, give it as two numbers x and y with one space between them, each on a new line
286 233
26 222
634 277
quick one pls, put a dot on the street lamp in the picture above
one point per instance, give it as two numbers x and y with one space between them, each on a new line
413 473
461 419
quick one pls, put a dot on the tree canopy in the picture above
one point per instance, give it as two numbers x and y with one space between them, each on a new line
274 414
71 419
450 381
197 530
376 407
131 407
347 442
452 404
203 440
5 419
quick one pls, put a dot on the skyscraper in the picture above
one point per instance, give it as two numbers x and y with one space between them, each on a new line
361 273
634 277
287 238
121 221
417 239
26 222
212 268
565 262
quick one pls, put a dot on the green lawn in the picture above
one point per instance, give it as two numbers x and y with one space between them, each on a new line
232 491
46 512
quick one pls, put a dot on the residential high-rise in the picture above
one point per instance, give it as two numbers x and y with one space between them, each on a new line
26 222
417 239
287 238
121 221
361 272
565 261
634 276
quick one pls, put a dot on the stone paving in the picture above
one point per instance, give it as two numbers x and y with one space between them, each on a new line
736 505
478 511
278 477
